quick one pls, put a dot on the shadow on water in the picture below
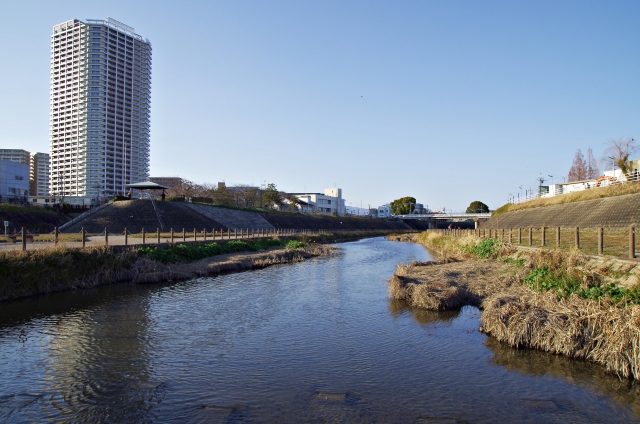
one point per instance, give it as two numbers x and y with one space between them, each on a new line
535 363
399 308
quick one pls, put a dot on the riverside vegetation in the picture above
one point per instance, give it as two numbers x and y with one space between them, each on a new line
547 299
32 272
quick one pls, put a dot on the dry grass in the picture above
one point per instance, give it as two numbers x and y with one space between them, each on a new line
25 273
579 196
616 240
557 321
597 331
46 237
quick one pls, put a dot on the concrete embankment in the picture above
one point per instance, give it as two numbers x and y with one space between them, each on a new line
617 211
559 302
134 215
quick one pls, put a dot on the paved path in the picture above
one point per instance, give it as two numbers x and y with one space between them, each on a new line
118 240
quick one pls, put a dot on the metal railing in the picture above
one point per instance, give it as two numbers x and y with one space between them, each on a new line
604 181
155 208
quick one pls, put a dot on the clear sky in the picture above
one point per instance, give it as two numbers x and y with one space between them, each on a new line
447 101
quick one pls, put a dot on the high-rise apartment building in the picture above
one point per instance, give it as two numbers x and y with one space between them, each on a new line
100 108
16 155
39 175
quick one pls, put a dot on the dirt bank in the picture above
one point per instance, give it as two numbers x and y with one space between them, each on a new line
576 310
148 271
30 273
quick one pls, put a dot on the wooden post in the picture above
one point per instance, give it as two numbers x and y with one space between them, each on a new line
106 236
158 234
600 241
632 242
144 237
544 235
235 233
502 234
557 236
126 237
184 235
519 235
577 238
204 231
55 235
195 235
84 234
172 236
24 239
530 236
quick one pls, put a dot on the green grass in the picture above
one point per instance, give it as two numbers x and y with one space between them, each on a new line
564 284
188 253
484 249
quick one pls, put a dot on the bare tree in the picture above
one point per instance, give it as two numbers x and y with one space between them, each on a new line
619 151
578 171
592 166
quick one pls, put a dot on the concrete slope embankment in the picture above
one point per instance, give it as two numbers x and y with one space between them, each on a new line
619 211
231 218
137 214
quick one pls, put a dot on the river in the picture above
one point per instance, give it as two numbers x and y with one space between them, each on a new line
318 341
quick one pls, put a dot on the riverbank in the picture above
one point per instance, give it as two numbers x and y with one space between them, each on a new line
559 302
35 272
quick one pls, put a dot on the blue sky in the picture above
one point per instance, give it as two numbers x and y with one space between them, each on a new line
447 101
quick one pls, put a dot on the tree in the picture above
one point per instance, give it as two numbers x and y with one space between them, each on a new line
578 171
271 197
618 151
592 166
403 206
293 203
477 207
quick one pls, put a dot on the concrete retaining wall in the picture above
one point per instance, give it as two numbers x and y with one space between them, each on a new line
618 211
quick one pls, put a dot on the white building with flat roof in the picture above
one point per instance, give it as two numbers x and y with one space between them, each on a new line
100 108
326 203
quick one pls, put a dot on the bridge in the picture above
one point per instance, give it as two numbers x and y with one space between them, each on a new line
445 216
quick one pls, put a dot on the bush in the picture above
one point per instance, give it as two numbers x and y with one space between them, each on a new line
485 249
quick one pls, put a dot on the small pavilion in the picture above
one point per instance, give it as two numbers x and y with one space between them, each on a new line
147 185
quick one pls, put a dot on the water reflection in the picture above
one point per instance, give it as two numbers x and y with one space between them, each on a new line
536 363
317 341
421 316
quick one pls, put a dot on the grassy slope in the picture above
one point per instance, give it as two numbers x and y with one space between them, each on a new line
580 196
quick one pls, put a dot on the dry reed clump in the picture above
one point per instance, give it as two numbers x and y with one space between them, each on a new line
438 293
578 328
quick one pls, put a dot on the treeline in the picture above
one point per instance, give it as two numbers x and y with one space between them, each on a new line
237 195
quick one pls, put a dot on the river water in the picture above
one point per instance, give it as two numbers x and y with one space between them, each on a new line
318 341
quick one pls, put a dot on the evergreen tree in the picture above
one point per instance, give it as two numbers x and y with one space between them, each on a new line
477 207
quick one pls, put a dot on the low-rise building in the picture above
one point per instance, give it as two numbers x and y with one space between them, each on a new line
384 211
14 182
171 182
328 203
